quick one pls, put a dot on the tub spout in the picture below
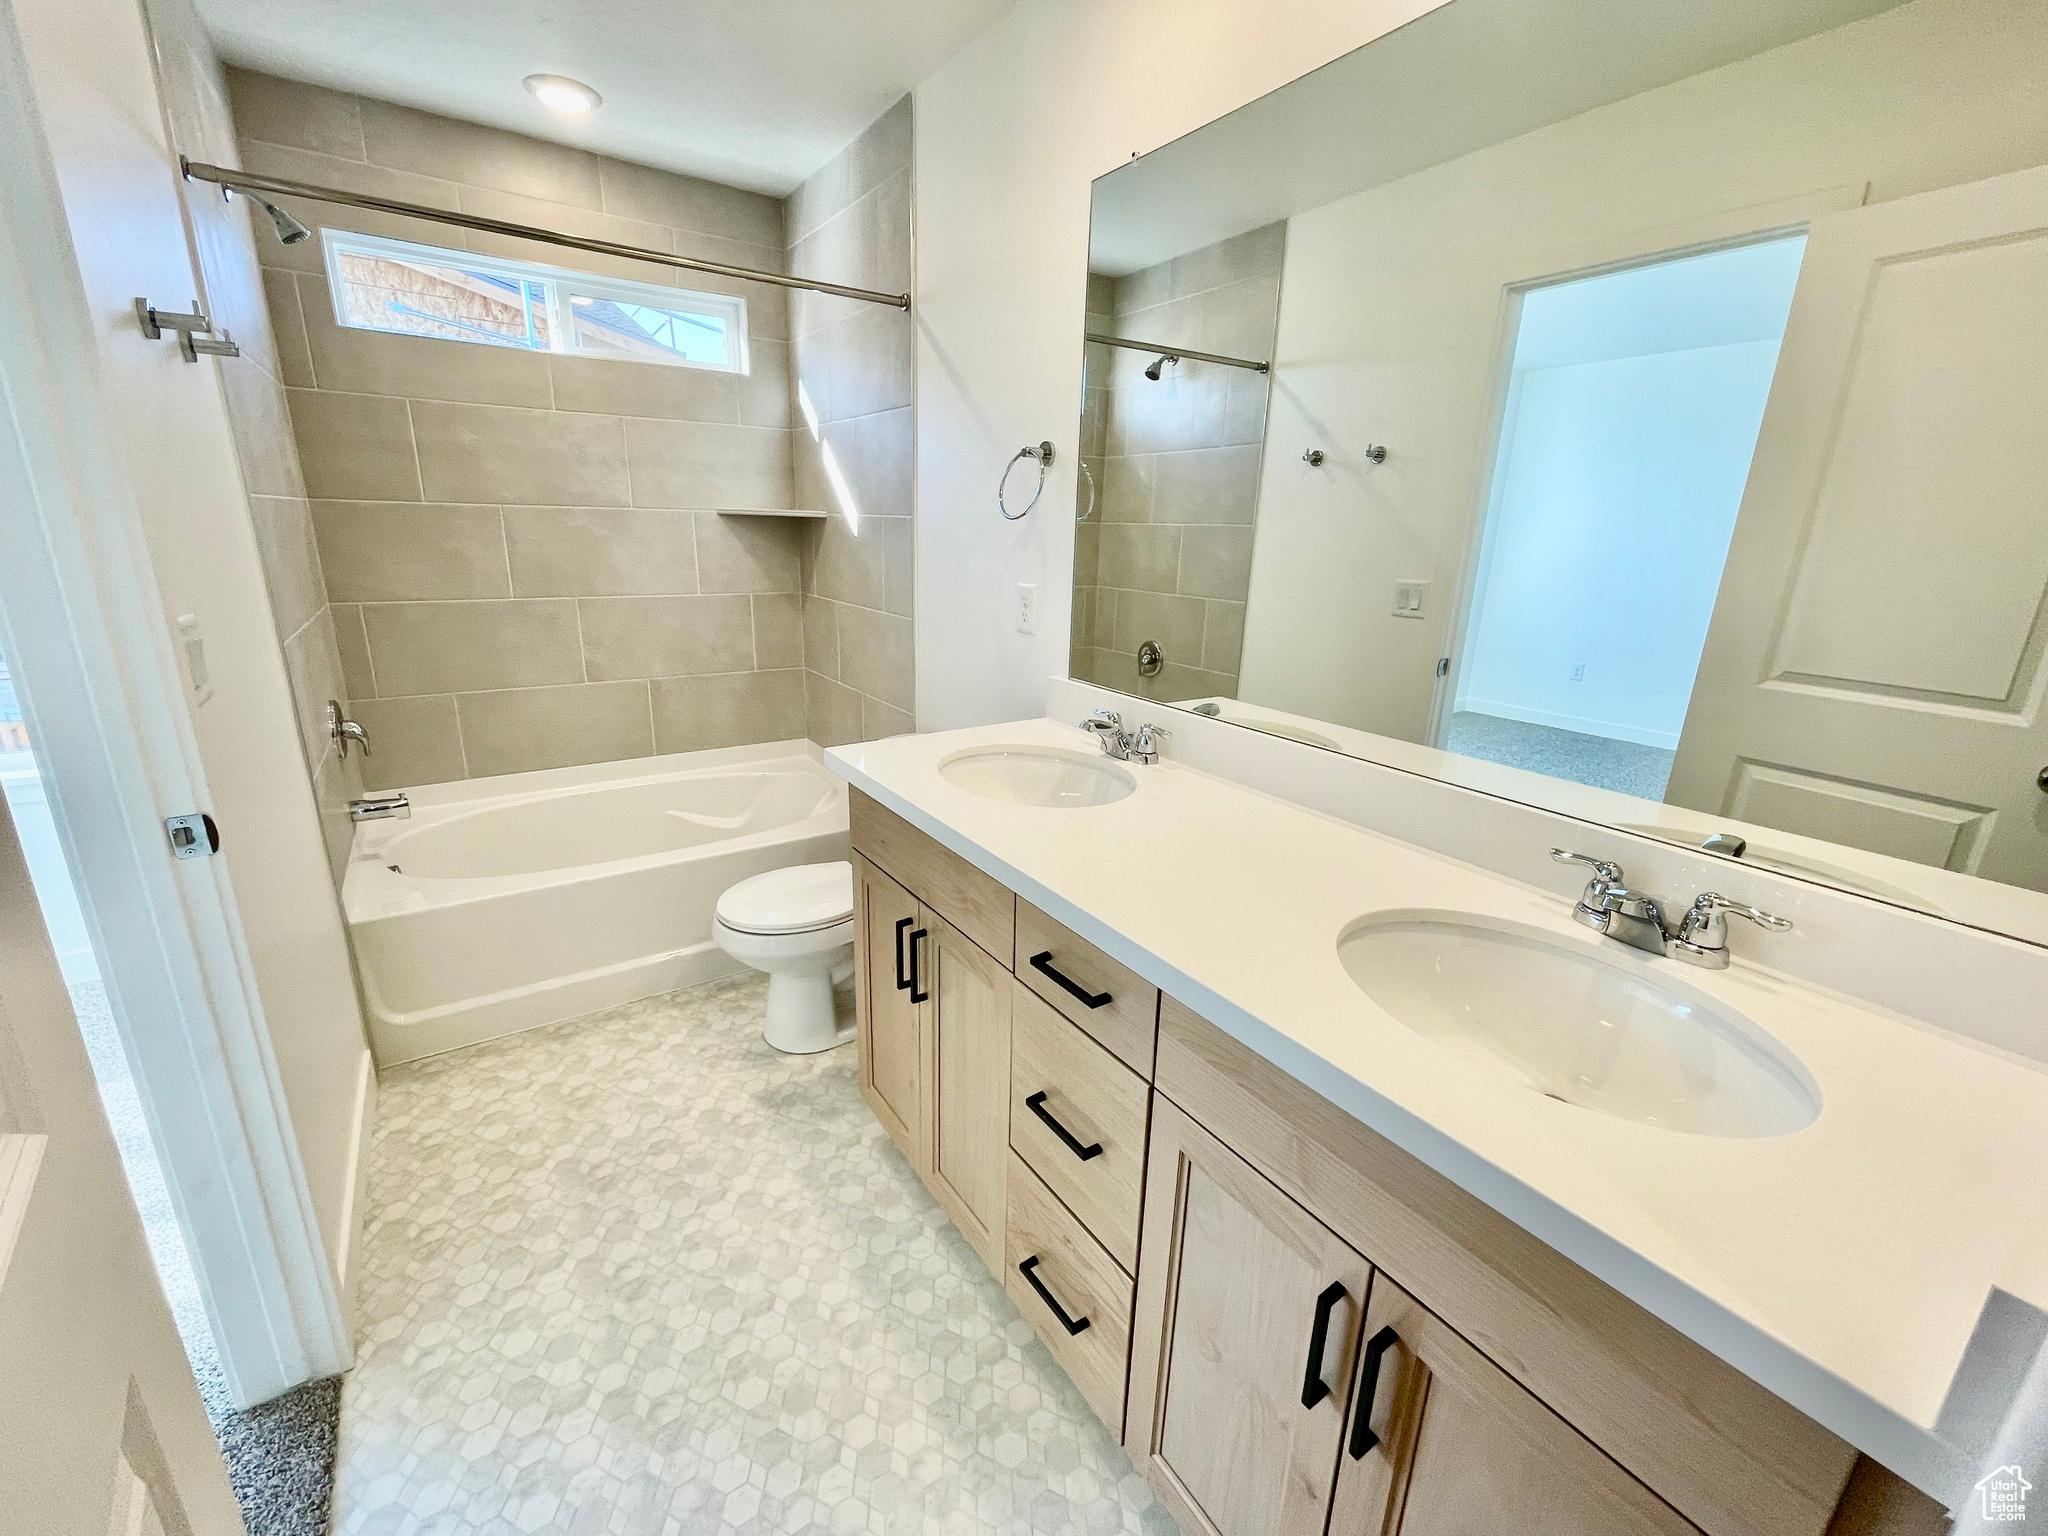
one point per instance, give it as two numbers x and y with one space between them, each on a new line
379 807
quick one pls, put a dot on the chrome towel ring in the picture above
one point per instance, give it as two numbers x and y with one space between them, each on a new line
1043 454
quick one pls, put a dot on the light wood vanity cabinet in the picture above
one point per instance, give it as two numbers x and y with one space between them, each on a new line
1183 1273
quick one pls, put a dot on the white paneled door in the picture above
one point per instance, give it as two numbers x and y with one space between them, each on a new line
1874 673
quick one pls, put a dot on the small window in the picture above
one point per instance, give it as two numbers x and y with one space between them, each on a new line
423 290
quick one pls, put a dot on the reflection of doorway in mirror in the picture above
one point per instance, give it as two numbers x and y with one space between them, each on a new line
1630 415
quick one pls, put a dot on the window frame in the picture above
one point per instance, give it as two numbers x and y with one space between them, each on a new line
559 285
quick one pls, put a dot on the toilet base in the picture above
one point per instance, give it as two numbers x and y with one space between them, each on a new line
802 1019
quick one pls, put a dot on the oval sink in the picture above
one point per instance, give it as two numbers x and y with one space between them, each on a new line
1575 1025
1040 776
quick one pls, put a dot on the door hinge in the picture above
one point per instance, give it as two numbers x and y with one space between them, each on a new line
193 836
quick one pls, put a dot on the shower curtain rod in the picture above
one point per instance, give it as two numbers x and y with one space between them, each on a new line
1179 353
248 181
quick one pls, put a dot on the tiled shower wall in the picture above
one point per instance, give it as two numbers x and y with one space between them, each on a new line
850 224
520 552
1165 552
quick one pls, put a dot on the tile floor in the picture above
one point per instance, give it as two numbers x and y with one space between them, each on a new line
640 1273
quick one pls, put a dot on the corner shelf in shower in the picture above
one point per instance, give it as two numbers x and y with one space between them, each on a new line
767 512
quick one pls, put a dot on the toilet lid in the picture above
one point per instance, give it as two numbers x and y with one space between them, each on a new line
794 900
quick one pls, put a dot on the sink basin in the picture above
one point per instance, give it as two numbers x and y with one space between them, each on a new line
1606 1033
1040 776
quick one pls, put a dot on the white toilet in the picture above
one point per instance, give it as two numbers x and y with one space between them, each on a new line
797 925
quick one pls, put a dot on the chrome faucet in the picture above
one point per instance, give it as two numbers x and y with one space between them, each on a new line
1107 727
1610 907
345 730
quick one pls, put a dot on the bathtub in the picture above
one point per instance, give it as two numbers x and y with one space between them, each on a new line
510 902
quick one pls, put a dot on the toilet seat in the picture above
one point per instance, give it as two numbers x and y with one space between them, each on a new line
800 899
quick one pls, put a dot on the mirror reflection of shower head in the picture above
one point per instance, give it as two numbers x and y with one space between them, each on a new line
289 230
1159 363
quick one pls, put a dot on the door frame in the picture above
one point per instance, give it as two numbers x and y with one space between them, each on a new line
1728 229
80 619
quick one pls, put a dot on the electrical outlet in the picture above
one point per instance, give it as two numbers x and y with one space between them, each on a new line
1409 596
1027 608
1579 673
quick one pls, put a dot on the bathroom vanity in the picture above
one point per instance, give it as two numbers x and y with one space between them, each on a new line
1207 1198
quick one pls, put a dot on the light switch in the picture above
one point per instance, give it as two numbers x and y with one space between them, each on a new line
192 647
1408 598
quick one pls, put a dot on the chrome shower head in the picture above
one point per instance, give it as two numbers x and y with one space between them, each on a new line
1159 363
289 230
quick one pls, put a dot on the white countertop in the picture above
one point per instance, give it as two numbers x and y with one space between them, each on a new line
1843 1266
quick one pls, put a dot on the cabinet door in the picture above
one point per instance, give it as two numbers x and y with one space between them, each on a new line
1244 1338
891 1051
967 1062
1453 1446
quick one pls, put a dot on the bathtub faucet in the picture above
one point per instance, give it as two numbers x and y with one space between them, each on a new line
378 807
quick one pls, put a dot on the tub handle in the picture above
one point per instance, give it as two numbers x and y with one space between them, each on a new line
903 982
917 994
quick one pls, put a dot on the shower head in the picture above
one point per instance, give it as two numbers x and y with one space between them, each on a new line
289 230
1159 363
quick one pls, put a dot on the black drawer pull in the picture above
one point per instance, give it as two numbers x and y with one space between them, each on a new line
1036 1104
1029 1270
917 992
902 980
1363 1437
1042 963
1313 1388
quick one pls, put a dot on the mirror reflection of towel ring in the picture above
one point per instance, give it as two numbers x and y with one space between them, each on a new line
1083 517
1043 455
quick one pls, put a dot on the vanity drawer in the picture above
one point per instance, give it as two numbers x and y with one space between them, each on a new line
1075 1274
1105 997
1061 1078
980 907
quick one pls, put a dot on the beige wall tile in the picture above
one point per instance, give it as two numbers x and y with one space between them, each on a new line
312 665
1222 636
539 213
414 741
852 568
1139 555
1175 622
1127 484
1256 251
875 656
765 391
1241 320
291 565
684 202
405 139
516 457
458 647
878 720
666 636
831 711
355 447
821 636
778 629
354 646
899 565
291 112
1208 485
335 783
405 551
729 709
521 729
599 551
261 423
618 388
872 370
705 464
421 367
747 554
1216 562
288 328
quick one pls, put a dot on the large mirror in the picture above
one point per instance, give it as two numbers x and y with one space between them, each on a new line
1635 410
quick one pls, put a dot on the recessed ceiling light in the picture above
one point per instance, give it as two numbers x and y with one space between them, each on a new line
562 94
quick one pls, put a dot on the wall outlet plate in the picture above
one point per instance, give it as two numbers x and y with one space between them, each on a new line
1027 608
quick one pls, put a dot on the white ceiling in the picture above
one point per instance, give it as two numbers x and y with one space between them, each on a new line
755 93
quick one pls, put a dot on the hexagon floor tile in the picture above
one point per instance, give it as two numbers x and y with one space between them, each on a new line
639 1273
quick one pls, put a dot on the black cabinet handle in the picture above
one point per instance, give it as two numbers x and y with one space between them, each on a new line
902 980
1313 1388
917 994
1363 1437
1042 963
1029 1270
1036 1104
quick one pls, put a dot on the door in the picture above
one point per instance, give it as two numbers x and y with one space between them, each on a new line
101 1427
1452 1446
1245 1329
1874 671
891 1053
967 1062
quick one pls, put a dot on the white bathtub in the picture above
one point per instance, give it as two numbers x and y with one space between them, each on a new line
509 902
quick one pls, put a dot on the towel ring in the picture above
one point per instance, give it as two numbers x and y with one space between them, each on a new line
1043 454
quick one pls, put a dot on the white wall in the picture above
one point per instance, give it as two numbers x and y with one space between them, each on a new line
1392 305
1010 132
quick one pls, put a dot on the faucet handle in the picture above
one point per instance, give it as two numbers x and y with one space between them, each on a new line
1146 748
1103 720
1603 869
1702 937
1709 905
